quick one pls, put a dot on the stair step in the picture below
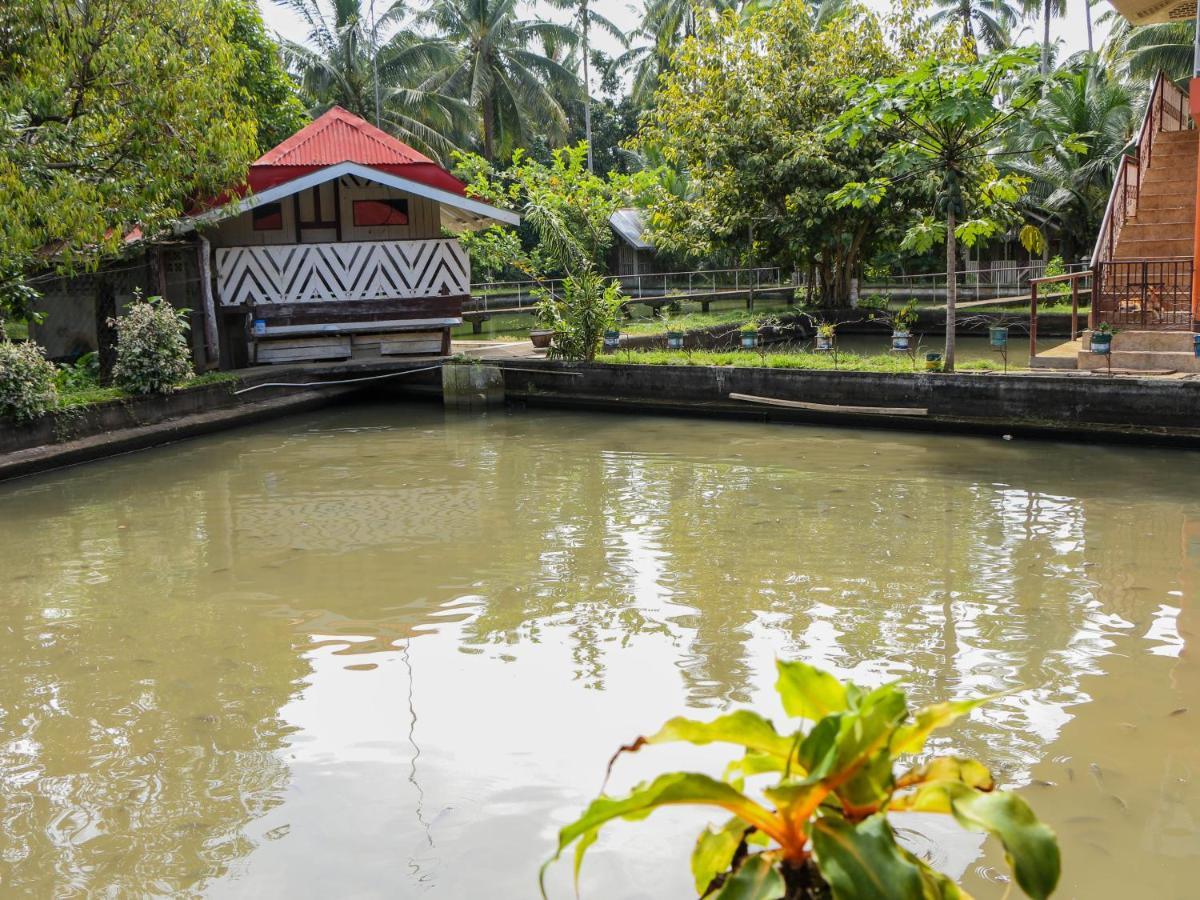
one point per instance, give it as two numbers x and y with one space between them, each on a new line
1157 231
1178 362
1132 248
1130 341
1168 187
1151 214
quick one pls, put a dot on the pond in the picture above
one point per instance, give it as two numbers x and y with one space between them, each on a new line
382 651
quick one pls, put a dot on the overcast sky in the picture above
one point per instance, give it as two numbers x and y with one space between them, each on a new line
1071 30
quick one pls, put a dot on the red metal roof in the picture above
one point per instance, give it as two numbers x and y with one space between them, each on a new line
339 136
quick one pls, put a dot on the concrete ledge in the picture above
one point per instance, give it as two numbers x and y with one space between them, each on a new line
1146 410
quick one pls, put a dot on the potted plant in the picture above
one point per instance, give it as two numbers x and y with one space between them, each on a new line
825 335
541 337
612 341
1102 338
675 340
748 337
998 336
902 325
933 362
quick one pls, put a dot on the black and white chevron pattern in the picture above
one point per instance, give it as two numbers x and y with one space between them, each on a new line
322 273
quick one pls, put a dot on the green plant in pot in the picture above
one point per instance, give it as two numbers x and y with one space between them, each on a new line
903 322
1101 341
826 333
815 823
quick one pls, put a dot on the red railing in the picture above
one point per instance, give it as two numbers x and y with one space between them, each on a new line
1167 110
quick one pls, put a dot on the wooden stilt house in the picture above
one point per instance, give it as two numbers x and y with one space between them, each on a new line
340 243
342 247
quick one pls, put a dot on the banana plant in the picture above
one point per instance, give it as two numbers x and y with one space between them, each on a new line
820 827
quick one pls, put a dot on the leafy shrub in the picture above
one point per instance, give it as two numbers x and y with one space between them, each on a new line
26 381
822 828
83 374
152 349
588 306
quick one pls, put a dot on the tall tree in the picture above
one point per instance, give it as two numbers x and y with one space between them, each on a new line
1077 134
490 56
986 23
942 119
116 115
587 17
1047 10
264 81
1142 52
741 114
375 70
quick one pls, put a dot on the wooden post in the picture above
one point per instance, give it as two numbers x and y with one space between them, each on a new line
1033 298
160 271
1074 307
212 339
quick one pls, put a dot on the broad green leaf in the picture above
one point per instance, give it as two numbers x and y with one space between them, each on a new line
755 763
672 789
744 728
863 862
1030 847
970 772
911 738
714 852
756 879
808 692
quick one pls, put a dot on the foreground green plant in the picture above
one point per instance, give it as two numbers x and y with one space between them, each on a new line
821 829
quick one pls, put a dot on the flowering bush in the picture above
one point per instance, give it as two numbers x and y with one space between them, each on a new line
152 349
26 381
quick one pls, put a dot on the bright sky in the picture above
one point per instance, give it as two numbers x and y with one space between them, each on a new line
1070 30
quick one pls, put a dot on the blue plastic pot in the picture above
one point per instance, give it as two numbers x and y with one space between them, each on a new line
612 341
674 340
1101 343
900 340
749 339
998 334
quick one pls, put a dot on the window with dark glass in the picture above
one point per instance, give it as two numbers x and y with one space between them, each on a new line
368 213
268 217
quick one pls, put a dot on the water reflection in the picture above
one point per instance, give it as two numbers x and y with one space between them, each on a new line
378 650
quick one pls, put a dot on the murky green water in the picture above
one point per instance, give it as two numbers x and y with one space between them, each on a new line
382 652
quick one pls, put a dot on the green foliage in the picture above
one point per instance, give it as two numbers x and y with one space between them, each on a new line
906 316
114 115
152 349
742 113
496 252
263 82
587 305
81 375
338 63
27 388
939 118
898 363
824 819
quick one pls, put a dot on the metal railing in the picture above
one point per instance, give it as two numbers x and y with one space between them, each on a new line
1145 294
979 283
657 287
1167 110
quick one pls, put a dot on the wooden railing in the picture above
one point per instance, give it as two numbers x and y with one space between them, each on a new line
1167 110
1081 283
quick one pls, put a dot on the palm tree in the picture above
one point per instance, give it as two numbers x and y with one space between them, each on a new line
986 22
1070 186
344 63
1047 9
1142 52
490 60
587 18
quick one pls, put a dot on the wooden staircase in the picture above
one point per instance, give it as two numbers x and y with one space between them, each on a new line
1163 223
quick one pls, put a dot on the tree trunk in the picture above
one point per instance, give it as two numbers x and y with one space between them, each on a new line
1045 38
951 286
106 334
587 90
1087 11
488 114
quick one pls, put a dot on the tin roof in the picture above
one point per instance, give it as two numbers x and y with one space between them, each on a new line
630 226
339 136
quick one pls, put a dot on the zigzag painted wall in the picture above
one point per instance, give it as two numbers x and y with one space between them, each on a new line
324 273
